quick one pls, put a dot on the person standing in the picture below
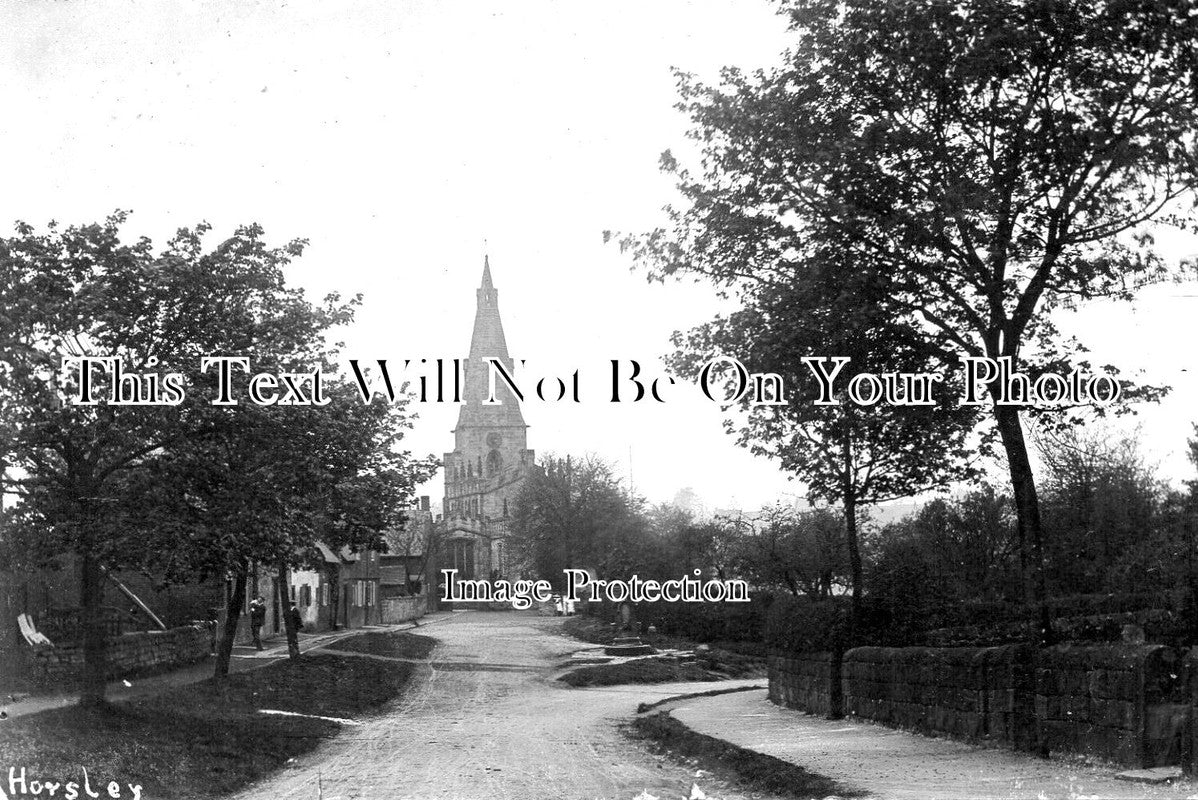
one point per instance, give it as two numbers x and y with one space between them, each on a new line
257 619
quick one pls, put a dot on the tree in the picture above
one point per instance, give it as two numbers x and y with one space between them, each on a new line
847 454
274 481
689 501
804 552
1103 510
967 543
573 513
86 487
953 551
986 162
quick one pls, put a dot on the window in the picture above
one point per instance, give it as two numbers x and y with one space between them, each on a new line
306 595
463 558
324 594
293 593
371 593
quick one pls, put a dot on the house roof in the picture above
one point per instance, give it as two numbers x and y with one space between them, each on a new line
328 555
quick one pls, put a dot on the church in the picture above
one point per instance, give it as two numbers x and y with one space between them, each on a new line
490 460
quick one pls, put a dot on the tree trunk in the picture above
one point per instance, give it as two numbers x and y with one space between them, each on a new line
224 653
850 532
1027 511
334 599
835 684
293 650
95 638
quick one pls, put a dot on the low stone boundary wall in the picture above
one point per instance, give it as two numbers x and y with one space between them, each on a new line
967 692
1158 625
804 682
1125 703
127 654
402 609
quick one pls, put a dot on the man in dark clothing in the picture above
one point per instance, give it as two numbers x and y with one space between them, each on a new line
257 618
297 618
211 618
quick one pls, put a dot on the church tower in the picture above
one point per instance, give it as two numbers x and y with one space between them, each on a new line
490 460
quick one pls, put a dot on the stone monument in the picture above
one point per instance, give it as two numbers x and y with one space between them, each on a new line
627 643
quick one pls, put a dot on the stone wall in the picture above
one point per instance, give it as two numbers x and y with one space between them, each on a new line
1118 701
402 609
966 692
128 654
1160 626
1124 703
803 681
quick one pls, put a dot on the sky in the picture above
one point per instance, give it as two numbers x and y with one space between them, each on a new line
407 140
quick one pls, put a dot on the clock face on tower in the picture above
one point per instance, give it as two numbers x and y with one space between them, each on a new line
494 440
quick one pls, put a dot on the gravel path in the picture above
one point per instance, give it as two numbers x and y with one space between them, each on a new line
487 720
904 766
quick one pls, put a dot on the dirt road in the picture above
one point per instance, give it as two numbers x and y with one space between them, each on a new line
486 720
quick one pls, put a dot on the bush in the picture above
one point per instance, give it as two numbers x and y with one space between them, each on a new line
699 622
802 625
641 670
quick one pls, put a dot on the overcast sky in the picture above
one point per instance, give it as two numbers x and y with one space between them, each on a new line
401 137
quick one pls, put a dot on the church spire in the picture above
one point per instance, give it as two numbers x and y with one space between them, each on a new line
486 284
487 295
488 341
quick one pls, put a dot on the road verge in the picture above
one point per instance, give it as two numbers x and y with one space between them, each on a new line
205 739
756 771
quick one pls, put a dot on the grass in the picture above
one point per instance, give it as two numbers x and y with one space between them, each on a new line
640 670
641 708
589 629
756 771
203 740
394 645
723 659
